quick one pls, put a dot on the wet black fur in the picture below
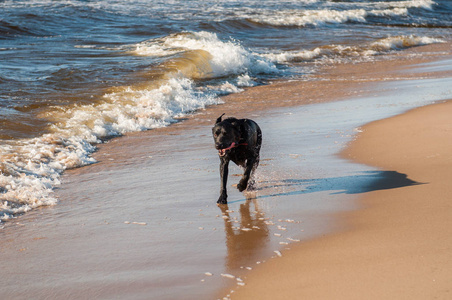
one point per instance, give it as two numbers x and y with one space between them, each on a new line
239 131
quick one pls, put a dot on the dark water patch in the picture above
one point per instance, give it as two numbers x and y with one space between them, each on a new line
9 30
19 125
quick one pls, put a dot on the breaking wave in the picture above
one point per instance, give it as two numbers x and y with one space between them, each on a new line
339 52
220 58
319 17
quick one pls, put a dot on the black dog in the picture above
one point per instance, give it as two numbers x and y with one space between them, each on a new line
238 140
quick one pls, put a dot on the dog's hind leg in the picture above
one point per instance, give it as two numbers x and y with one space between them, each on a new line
252 181
250 163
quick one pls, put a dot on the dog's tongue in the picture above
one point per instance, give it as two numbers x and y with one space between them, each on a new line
222 152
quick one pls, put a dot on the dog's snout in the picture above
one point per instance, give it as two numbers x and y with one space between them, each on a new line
220 145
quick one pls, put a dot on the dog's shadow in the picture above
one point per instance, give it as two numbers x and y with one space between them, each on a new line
246 235
365 182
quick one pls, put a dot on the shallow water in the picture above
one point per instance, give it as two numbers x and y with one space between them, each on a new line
75 73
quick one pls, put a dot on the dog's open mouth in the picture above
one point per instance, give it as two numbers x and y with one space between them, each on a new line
222 152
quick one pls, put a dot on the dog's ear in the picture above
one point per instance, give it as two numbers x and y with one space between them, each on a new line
219 119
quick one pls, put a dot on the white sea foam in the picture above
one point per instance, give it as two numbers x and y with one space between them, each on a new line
230 276
309 17
361 52
319 17
401 42
30 169
425 4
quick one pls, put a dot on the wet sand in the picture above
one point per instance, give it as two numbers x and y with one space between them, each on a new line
143 223
398 245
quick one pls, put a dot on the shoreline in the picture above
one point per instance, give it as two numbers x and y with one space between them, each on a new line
132 168
397 245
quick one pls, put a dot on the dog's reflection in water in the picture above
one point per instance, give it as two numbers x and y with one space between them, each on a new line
246 235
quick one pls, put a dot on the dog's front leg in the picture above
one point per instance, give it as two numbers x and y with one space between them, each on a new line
224 171
246 176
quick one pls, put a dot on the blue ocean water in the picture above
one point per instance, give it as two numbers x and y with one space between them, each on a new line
74 73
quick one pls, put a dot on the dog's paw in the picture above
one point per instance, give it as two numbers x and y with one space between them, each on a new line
242 185
223 199
251 186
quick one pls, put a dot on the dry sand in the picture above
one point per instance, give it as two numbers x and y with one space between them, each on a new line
399 245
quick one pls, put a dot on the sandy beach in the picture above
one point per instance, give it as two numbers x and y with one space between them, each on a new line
142 223
398 245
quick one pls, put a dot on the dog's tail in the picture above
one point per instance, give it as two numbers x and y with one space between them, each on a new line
219 118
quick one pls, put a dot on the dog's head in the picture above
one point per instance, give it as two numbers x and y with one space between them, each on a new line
226 135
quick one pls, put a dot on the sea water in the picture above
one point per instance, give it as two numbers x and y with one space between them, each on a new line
77 73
